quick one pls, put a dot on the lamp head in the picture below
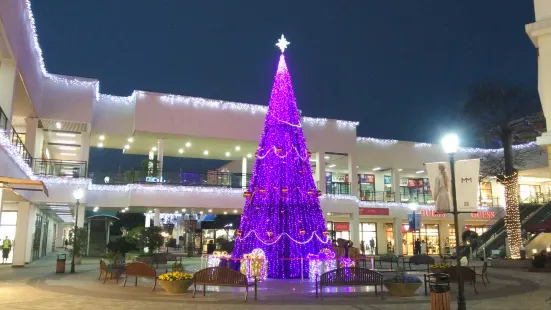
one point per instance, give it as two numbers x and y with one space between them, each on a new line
450 143
77 194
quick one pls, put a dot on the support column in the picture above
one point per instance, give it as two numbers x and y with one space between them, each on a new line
540 34
157 218
444 232
85 150
59 235
355 228
353 175
244 172
381 238
8 76
31 136
21 234
396 184
147 220
160 155
81 215
320 172
397 234
31 228
177 229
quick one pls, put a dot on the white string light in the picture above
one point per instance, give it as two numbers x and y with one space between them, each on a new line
376 141
530 145
347 124
15 155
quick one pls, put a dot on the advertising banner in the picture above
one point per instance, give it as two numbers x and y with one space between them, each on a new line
341 226
374 211
466 185
439 175
388 179
414 222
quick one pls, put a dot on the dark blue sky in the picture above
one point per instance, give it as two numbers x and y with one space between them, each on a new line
400 67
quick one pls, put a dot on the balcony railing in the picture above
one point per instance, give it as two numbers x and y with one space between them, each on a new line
338 188
3 120
60 168
207 179
376 196
20 147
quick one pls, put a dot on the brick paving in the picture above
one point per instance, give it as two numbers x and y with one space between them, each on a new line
38 287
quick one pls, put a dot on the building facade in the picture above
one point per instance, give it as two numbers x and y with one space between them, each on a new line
49 122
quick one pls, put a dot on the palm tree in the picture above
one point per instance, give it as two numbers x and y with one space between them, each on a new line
505 114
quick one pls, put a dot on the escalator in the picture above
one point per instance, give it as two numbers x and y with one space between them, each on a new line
494 238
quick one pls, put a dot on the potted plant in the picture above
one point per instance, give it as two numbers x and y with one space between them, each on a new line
80 247
176 282
435 268
177 267
402 285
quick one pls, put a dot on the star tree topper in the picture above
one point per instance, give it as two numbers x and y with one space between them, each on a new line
282 43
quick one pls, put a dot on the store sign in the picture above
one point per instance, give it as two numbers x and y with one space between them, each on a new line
367 178
341 226
154 180
412 183
432 213
487 215
374 211
404 182
388 179
339 178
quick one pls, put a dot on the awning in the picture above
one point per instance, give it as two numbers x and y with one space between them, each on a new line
23 185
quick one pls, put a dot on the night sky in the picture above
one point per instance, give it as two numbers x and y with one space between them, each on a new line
401 67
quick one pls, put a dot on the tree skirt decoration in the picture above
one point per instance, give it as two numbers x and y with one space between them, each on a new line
255 265
217 257
321 263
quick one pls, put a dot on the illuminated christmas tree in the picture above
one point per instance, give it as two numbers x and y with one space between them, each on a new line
282 214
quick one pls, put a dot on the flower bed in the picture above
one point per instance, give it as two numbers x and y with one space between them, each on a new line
402 285
176 282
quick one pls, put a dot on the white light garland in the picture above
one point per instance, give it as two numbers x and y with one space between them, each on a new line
376 141
347 124
67 181
314 121
524 146
15 155
167 99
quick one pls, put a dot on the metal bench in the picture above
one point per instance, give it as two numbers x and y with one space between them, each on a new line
110 271
219 276
419 259
468 275
349 276
389 258
138 269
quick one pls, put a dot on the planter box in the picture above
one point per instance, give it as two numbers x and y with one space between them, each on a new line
176 287
402 289
511 263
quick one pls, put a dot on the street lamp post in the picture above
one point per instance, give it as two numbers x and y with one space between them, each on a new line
450 144
77 195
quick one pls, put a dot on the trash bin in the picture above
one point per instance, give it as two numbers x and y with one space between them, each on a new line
60 263
439 284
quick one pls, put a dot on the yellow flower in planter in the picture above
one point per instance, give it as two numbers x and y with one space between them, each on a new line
175 276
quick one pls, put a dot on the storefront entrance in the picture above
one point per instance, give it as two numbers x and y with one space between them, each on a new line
7 229
428 235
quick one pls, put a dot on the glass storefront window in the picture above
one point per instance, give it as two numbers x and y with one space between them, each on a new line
7 229
337 234
389 238
368 233
428 235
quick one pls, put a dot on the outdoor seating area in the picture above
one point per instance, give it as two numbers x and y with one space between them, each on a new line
372 276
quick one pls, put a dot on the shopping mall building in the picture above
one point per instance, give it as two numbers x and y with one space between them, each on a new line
49 122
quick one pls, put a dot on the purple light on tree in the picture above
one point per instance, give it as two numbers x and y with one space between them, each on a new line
282 213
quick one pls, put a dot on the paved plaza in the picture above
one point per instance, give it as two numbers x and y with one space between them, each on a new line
38 287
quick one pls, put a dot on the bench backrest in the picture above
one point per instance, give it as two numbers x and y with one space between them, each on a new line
219 275
140 269
352 276
467 273
421 259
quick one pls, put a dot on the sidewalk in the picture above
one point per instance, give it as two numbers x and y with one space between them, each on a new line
38 287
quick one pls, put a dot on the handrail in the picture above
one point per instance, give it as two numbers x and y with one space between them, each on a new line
3 120
503 230
60 168
20 146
